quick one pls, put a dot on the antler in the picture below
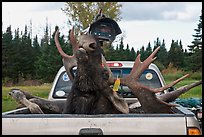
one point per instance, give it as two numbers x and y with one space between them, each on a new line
68 61
138 69
150 103
171 96
146 96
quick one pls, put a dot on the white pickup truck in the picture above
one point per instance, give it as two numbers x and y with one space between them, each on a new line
182 122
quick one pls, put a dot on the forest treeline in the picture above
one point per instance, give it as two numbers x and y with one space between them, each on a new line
24 58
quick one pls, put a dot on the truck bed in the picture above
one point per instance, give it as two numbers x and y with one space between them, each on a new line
18 122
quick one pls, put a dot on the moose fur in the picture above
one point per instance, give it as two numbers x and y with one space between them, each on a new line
91 93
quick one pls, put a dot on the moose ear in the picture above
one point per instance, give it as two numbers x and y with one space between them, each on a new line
119 103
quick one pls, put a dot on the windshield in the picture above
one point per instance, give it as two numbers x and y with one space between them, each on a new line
148 78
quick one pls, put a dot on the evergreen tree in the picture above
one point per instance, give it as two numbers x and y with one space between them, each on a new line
110 53
17 42
195 58
182 54
197 42
36 46
162 54
142 52
50 60
26 60
121 46
132 54
127 53
121 52
148 51
36 53
175 55
117 55
6 53
157 43
45 39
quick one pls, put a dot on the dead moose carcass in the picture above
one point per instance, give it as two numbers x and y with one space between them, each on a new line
91 92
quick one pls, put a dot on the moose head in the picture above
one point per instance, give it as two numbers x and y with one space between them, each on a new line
91 92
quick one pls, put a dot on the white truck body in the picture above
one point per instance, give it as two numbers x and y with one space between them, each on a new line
21 122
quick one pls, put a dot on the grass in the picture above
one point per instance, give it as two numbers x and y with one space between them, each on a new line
171 74
195 92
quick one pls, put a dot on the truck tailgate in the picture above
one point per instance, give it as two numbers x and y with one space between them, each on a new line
107 124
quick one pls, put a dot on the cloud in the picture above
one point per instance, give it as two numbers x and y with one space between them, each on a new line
32 6
181 11
48 6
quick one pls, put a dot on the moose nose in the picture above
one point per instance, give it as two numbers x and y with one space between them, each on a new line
10 93
92 46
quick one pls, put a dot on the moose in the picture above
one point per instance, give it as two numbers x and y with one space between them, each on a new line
91 92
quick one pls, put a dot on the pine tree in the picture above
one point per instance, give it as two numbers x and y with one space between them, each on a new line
157 43
175 55
132 54
127 53
17 42
148 50
197 42
117 55
121 52
26 59
36 53
142 52
45 39
195 58
6 53
162 54
110 54
50 60
182 54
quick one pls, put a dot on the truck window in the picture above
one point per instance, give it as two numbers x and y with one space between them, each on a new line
148 78
63 86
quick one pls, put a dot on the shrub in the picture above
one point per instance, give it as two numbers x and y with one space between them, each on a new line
172 73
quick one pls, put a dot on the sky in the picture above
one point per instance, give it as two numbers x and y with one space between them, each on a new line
141 23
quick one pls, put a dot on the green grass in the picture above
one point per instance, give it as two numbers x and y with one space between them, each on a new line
9 104
171 74
194 92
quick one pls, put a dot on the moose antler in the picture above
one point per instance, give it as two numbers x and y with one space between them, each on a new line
146 96
150 103
68 61
171 96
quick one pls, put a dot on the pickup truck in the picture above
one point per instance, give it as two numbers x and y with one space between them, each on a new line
182 122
